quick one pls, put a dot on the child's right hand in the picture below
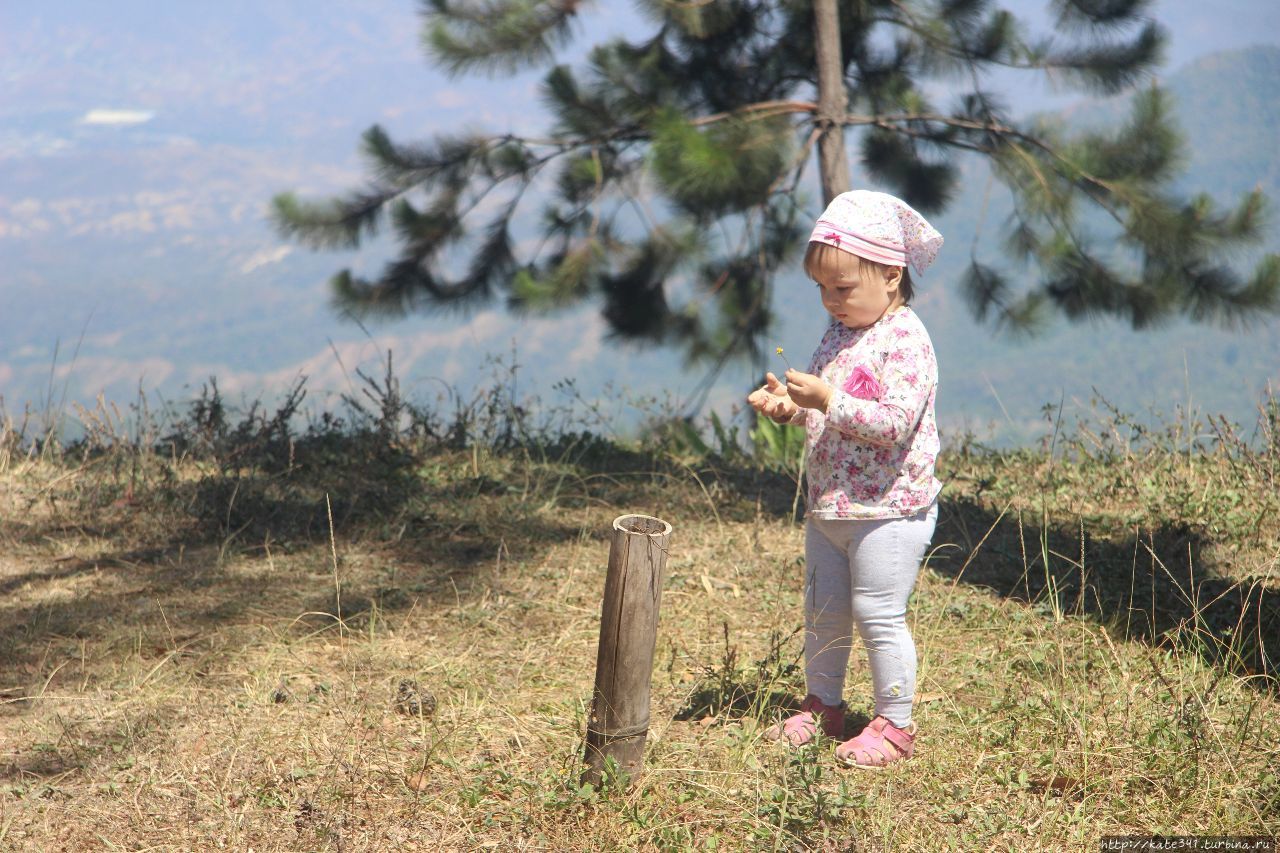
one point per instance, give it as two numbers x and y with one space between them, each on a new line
772 400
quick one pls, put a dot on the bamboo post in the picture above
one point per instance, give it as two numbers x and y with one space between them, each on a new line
619 720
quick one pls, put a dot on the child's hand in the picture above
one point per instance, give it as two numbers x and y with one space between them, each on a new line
772 400
765 396
808 390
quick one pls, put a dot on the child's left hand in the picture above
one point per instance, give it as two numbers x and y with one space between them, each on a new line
808 390
771 400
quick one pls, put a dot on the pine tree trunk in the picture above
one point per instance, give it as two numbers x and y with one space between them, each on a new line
833 101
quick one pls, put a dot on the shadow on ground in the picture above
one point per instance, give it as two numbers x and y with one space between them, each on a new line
1153 584
201 553
1156 584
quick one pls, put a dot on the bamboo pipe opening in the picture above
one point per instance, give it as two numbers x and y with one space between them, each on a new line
644 525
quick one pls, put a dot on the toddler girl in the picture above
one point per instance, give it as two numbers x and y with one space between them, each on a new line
867 406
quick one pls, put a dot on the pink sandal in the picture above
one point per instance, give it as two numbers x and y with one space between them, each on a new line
880 744
801 728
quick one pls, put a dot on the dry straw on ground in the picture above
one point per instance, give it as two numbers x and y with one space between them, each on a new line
393 649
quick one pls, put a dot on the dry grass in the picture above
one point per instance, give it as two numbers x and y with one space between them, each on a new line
195 659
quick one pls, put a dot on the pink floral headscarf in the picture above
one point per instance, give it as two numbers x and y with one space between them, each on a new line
878 227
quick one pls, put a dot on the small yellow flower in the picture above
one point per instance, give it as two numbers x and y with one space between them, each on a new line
784 358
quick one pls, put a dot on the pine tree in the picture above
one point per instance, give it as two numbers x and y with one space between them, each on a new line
668 186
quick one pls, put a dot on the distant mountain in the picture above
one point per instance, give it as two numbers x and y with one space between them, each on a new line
142 247
1229 105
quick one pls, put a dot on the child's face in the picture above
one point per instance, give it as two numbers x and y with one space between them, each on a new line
859 294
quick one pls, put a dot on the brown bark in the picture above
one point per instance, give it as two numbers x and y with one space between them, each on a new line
833 101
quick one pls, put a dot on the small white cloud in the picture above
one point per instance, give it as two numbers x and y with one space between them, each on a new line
264 257
117 117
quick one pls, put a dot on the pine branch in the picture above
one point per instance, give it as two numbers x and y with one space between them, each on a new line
757 112
562 285
335 224
893 158
1217 294
404 166
1109 67
1106 68
360 298
728 166
1098 14
984 289
409 284
1145 150
497 36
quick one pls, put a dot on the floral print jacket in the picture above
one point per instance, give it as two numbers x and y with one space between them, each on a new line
871 456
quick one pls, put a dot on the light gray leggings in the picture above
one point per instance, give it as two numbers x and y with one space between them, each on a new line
862 573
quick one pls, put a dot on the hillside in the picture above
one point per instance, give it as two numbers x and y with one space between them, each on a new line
384 638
